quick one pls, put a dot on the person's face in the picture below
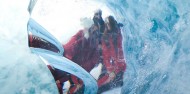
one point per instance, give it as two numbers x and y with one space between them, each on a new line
97 15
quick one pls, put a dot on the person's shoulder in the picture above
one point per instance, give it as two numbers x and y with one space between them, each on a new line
81 31
79 34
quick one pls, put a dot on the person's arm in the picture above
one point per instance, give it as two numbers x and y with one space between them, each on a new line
110 73
77 84
120 60
106 53
70 47
108 77
120 55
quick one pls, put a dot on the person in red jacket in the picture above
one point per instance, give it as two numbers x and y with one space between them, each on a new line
87 53
114 64
89 47
83 50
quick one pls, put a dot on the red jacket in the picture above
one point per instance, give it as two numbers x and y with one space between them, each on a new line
112 50
82 51
115 52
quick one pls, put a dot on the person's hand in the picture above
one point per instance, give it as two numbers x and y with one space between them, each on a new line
58 82
78 86
112 75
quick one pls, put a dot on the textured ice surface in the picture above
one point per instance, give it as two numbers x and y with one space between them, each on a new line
155 33
22 72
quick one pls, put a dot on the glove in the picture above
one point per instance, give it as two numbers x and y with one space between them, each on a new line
112 75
